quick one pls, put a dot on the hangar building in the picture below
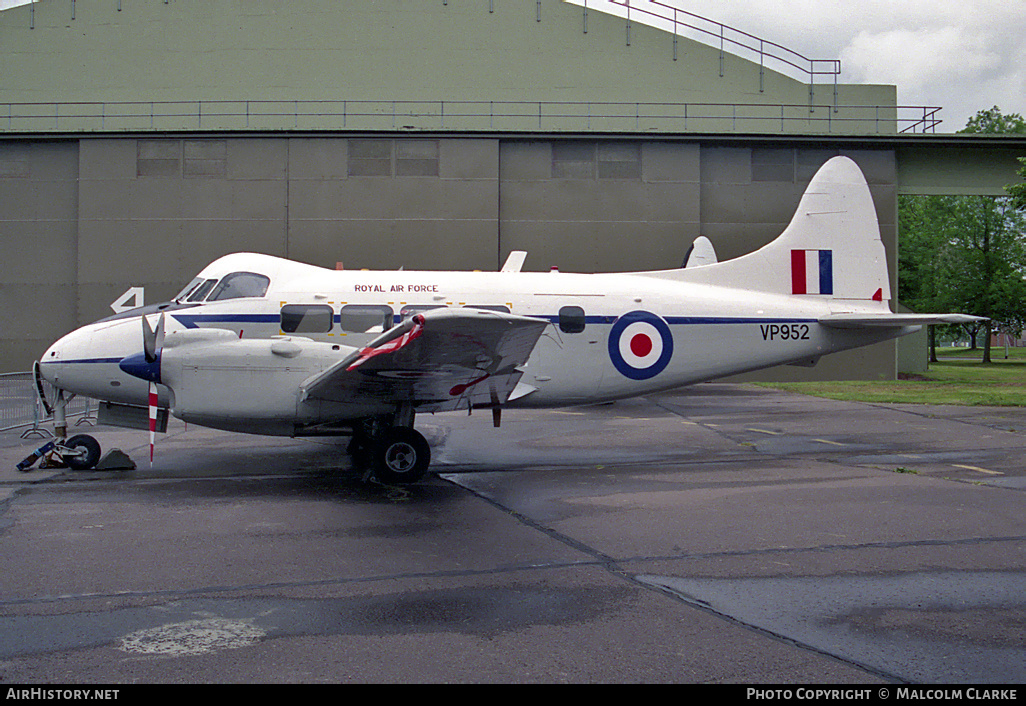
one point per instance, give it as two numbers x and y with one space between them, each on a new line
141 139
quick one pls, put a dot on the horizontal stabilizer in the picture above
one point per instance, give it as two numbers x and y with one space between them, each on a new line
894 320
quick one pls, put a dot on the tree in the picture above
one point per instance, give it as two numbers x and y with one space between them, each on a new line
923 258
1018 191
994 122
967 253
986 262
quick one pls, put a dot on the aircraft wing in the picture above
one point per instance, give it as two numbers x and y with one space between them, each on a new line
894 320
441 360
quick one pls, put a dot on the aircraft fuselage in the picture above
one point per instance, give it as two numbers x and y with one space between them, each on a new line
609 336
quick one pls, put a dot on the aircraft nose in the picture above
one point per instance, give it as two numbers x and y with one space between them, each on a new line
86 362
57 356
49 361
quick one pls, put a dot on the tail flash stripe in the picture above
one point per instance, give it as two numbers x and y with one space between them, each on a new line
798 285
812 272
826 271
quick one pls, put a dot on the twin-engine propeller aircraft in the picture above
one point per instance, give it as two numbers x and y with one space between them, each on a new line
263 345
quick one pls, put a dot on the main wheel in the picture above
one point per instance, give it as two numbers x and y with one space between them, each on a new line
86 444
402 455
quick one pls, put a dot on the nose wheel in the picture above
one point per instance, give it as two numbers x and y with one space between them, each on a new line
79 453
85 452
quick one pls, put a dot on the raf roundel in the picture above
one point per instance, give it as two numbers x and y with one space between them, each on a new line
640 345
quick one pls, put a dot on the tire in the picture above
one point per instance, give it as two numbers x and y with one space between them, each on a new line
359 449
83 442
402 456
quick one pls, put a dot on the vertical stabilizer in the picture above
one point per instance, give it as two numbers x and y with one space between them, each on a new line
831 249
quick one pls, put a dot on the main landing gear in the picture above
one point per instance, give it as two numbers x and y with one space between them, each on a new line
390 448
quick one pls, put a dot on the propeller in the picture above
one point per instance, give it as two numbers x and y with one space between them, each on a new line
146 366
153 342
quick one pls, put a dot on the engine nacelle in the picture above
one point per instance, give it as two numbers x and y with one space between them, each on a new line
248 385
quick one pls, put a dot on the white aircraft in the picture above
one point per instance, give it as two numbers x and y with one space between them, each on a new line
262 345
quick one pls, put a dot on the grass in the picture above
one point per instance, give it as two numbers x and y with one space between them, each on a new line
958 378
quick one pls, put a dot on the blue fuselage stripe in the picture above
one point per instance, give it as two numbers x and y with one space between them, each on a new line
194 320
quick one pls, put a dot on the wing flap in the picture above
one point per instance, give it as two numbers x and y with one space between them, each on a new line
441 359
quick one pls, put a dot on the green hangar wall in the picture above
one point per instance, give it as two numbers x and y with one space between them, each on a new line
140 140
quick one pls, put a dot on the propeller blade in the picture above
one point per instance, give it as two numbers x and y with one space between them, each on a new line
159 334
153 339
149 341
153 418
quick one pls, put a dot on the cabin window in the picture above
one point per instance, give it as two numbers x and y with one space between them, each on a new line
201 291
571 319
365 318
239 285
306 318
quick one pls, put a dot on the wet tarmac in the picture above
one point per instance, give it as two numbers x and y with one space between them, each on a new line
722 534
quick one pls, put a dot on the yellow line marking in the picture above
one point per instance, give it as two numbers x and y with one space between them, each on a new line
978 469
827 441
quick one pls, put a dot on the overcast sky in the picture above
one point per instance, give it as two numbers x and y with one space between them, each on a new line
961 55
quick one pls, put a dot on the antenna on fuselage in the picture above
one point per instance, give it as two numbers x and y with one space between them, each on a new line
514 262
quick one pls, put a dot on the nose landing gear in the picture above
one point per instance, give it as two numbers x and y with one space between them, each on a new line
79 453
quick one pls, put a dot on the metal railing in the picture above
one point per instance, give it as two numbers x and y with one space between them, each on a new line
20 406
681 22
470 116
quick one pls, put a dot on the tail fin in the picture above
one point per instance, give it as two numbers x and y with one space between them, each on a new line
831 248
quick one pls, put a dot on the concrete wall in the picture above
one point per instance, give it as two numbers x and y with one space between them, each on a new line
81 221
981 165
39 212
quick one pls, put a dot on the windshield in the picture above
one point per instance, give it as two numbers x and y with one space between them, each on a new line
201 291
188 288
240 284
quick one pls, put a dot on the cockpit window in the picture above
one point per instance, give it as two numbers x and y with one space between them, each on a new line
188 288
201 291
238 285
